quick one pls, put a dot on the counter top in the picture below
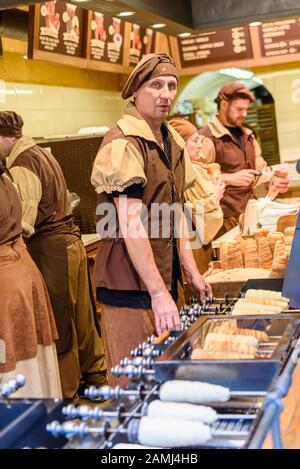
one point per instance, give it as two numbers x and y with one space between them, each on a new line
229 236
90 238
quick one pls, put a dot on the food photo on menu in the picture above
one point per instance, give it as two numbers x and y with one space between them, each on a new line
116 39
52 17
71 20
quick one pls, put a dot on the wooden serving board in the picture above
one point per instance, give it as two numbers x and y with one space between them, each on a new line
285 221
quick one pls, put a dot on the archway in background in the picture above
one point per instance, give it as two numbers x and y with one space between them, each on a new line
196 102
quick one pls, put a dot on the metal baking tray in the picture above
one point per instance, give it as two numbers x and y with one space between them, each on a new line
253 375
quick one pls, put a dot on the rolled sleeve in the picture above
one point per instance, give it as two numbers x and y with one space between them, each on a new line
205 208
190 173
30 190
118 165
208 151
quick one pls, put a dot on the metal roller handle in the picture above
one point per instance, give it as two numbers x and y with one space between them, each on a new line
106 392
131 371
6 389
86 412
72 429
138 361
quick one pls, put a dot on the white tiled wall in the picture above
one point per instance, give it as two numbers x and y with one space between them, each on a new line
54 110
285 89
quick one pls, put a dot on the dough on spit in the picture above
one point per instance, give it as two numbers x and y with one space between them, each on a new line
170 433
194 392
176 410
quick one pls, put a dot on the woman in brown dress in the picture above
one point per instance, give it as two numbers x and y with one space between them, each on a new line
27 327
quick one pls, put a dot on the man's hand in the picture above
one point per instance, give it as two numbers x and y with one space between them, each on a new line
279 184
165 313
219 189
242 178
201 288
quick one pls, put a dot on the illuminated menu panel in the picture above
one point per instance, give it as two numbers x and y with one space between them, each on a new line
107 38
141 43
215 46
280 37
61 28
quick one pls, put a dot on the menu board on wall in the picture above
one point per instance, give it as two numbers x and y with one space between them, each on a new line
141 43
107 38
280 37
61 28
215 46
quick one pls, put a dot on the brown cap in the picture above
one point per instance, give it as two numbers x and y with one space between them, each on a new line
234 90
151 66
184 127
10 124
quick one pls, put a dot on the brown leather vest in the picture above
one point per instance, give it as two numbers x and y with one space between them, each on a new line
233 157
165 184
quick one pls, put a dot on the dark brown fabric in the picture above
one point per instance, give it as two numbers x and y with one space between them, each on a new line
26 317
10 124
151 66
49 252
54 211
165 183
2 164
85 361
124 329
79 348
233 157
234 90
90 347
184 127
10 211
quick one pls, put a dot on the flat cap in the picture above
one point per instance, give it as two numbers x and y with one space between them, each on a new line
182 126
151 66
234 90
10 124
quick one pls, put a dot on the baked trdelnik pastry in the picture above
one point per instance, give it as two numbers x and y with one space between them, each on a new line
257 302
290 231
224 255
234 256
251 258
264 253
280 259
272 239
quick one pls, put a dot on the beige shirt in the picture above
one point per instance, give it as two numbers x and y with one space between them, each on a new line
28 184
206 210
119 164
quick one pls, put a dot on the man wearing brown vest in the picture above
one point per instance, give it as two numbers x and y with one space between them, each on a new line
228 142
141 163
55 245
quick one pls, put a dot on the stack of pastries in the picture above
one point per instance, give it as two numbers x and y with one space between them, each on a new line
262 255
261 302
227 341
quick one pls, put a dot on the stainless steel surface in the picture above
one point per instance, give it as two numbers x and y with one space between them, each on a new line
253 375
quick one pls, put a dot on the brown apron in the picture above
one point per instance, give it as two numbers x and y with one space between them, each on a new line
49 252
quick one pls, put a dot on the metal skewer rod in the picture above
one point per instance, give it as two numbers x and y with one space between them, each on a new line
86 412
105 392
72 429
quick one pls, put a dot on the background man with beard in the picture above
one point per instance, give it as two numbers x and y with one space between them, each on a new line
231 144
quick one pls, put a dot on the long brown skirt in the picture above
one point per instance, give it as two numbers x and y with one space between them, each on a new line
27 327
